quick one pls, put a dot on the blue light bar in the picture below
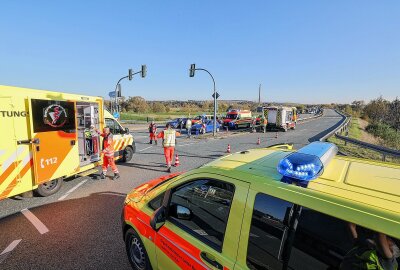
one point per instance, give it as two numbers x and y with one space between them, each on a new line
308 162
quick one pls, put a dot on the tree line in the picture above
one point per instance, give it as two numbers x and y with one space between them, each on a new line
378 110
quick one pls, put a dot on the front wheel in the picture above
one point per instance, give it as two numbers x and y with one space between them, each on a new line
136 251
49 188
128 154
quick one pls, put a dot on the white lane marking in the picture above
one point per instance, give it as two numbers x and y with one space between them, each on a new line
145 148
11 246
35 221
13 157
71 190
187 144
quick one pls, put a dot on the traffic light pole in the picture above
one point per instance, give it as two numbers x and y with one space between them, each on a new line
116 87
215 101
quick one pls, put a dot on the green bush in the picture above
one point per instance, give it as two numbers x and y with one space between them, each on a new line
389 135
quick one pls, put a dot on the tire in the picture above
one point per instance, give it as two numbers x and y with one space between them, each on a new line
136 251
128 154
236 126
49 188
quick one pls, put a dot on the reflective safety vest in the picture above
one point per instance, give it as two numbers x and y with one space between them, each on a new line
108 145
169 138
362 258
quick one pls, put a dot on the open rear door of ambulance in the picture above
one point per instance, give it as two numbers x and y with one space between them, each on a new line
54 139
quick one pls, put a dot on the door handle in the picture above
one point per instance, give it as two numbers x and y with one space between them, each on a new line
210 261
35 141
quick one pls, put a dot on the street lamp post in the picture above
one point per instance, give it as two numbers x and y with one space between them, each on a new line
143 72
215 95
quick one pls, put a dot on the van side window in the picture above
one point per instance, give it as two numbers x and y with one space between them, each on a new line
155 203
115 128
325 242
269 226
209 202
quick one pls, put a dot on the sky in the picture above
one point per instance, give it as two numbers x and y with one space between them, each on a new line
300 51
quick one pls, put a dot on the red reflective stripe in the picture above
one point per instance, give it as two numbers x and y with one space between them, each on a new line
180 251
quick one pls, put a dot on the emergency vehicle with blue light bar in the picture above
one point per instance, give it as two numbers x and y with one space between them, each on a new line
269 208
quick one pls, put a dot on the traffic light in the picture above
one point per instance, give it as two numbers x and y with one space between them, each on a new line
192 69
119 91
144 71
130 74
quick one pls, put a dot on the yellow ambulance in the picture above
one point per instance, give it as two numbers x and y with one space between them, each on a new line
47 136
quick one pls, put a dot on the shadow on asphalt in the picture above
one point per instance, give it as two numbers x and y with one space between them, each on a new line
85 230
148 167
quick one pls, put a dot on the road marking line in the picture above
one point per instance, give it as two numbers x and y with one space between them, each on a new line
71 190
11 246
35 221
145 148
187 144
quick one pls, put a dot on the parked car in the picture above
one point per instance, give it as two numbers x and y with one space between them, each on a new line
197 128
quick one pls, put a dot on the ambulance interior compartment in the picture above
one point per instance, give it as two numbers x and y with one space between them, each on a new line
88 140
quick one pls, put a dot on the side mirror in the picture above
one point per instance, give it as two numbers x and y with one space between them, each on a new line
158 218
126 130
181 212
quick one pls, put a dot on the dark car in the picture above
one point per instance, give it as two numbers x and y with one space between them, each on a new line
177 121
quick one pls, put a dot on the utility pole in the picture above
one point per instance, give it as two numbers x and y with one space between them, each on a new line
259 94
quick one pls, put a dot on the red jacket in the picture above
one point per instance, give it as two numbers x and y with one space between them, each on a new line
108 144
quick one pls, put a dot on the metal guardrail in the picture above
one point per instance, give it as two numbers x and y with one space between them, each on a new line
381 149
343 127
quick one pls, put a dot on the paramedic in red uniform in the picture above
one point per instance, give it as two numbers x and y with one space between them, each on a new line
169 136
153 132
108 153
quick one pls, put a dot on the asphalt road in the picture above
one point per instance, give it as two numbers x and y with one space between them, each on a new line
79 227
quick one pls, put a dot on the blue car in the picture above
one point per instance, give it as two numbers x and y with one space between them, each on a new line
197 128
175 122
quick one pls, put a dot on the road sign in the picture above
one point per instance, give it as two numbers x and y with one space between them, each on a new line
111 94
116 115
216 94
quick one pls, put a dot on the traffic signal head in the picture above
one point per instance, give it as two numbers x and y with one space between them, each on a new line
192 69
130 74
119 94
144 71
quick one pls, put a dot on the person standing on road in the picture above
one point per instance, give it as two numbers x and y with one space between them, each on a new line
189 127
153 132
264 122
108 153
253 124
169 140
180 125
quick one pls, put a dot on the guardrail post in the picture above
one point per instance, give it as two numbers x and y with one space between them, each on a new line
347 135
